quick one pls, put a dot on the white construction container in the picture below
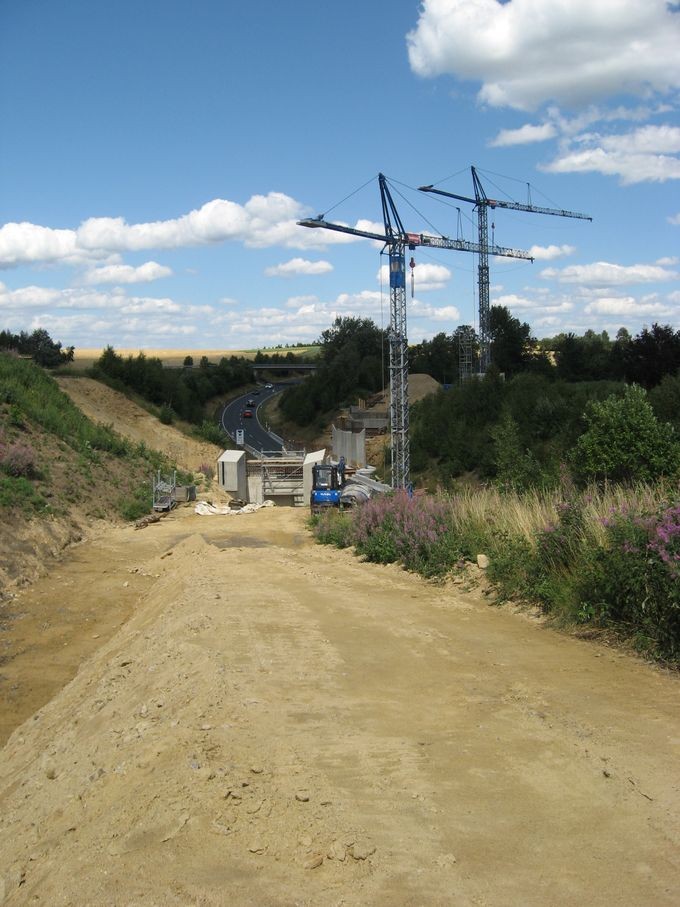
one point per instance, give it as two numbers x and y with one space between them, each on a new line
231 473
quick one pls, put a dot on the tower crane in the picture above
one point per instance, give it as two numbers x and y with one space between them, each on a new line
482 203
396 240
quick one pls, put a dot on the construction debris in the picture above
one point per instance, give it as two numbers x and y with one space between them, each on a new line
203 508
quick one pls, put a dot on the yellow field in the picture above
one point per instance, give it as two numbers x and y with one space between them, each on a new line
84 358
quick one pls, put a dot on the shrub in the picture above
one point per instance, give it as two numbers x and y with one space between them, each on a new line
334 527
211 432
633 581
135 505
624 442
18 492
516 467
166 415
512 566
16 419
18 460
416 531
559 545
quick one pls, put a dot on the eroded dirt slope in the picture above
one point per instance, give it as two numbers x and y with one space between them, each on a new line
278 723
83 505
102 404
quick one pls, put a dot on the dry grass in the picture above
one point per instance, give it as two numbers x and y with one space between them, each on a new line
517 514
527 513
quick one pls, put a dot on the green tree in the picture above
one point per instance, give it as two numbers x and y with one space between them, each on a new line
437 357
511 341
570 355
516 467
360 333
625 442
655 352
665 400
619 353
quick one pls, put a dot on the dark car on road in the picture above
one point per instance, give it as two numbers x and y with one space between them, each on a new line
247 414
251 403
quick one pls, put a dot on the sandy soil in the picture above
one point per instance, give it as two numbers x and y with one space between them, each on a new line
101 404
256 720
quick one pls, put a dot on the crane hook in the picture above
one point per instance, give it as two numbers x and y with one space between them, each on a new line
412 265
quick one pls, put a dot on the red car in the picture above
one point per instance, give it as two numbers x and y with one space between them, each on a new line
247 414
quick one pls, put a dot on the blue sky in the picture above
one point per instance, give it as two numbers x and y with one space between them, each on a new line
155 157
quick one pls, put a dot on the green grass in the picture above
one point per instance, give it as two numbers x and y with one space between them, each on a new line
34 409
16 492
35 395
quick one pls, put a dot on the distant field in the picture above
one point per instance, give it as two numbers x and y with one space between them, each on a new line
84 358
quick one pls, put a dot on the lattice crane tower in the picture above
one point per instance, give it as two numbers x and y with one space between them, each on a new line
482 203
397 240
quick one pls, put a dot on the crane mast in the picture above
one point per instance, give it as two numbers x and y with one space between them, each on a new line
482 203
397 340
397 240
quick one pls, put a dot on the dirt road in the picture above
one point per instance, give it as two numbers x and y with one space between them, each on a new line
263 721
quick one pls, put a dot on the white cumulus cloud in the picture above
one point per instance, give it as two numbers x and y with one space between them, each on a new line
297 266
529 52
524 135
661 139
513 301
25 242
631 168
643 155
628 306
426 276
446 313
606 273
264 220
120 274
548 253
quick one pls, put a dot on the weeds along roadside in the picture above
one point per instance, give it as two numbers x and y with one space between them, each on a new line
605 557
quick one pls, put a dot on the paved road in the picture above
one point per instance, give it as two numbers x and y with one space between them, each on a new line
255 434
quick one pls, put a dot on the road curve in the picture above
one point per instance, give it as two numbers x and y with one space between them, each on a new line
255 434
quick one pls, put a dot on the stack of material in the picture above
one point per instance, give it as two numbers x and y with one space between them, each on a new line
360 487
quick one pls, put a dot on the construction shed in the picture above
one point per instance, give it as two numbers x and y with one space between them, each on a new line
232 474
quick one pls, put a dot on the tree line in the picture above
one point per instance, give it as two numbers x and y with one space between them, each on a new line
350 365
644 359
520 424
183 392
38 345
